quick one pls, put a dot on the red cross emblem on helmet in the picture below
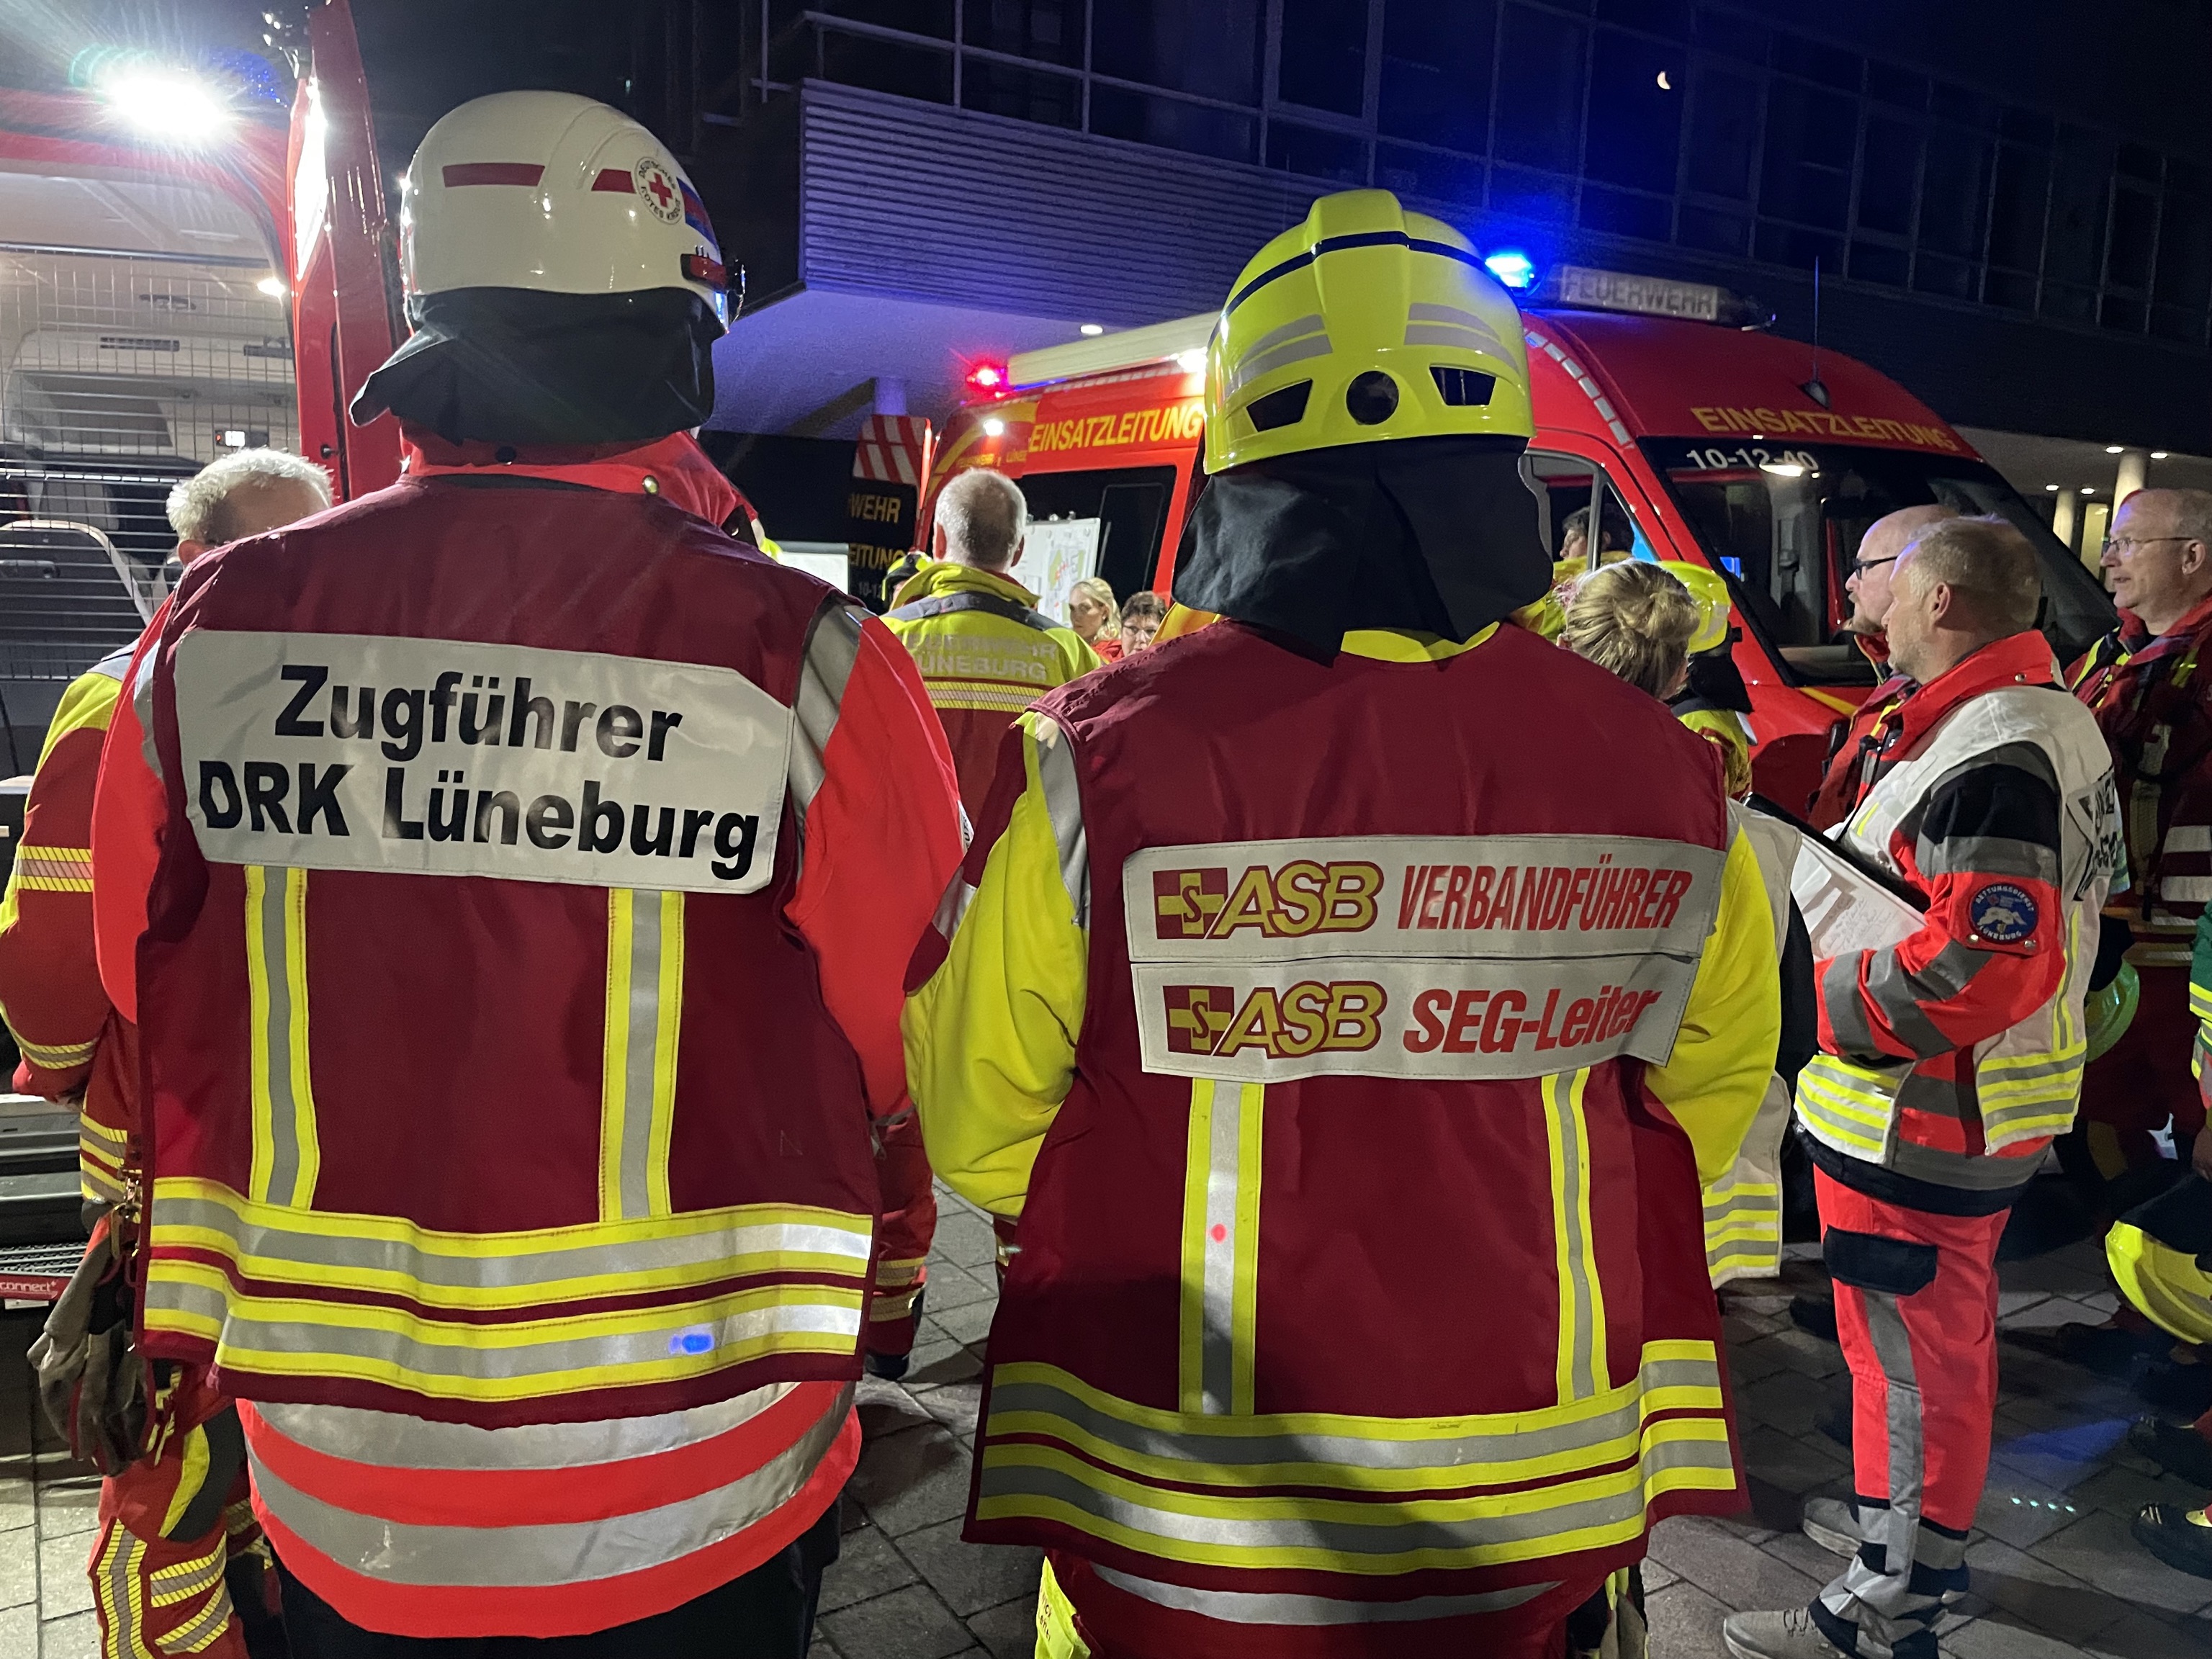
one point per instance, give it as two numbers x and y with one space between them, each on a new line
660 192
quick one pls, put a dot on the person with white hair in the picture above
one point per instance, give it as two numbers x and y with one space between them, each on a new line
181 1518
985 651
245 493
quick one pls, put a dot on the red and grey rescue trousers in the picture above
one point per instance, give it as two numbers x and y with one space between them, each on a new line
178 1566
1916 1311
769 1614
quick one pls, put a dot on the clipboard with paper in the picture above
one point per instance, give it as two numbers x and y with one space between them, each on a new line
1849 903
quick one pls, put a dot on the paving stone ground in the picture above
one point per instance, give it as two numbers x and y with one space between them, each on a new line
2055 1574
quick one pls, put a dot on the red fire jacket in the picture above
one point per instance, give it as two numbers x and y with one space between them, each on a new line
506 866
1318 1031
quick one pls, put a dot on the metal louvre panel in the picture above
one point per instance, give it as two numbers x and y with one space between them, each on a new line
879 171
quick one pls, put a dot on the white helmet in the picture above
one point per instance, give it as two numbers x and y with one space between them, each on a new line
557 194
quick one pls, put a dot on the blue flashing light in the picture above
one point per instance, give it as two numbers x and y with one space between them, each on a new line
1512 267
696 1341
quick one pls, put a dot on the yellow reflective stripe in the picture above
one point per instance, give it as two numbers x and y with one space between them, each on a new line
189 1479
186 1579
1677 1454
296 1337
200 1631
983 693
644 1019
54 869
491 1272
115 1595
287 1160
1220 1246
1406 645
2200 1001
57 1057
1583 1369
1376 1455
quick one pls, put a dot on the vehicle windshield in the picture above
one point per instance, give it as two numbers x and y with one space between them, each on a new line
1784 522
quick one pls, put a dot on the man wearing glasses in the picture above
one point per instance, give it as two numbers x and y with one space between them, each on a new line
2153 702
1849 767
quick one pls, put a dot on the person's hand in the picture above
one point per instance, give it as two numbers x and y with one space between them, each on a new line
2200 1154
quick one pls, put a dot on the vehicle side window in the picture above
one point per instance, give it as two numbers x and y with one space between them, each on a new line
1573 495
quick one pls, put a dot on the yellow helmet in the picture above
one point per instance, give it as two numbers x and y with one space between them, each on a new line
1364 323
1711 590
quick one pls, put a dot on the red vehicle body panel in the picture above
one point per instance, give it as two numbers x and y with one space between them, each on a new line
1599 383
343 260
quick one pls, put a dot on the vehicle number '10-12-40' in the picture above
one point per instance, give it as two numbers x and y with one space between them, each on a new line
1720 460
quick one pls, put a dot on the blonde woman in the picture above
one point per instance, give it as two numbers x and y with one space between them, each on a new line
1636 621
1096 615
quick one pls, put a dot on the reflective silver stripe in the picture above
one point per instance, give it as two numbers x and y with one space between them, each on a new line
285 1162
1063 801
549 1267
1294 342
202 1628
959 894
1962 1169
432 1350
1882 1600
1222 1234
1989 856
1392 1532
1218 1452
1583 1365
142 703
391 1440
1255 1608
184 1581
559 1554
644 1014
1839 991
1449 325
833 646
1888 989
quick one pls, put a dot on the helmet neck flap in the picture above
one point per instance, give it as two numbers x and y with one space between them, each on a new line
1429 535
515 365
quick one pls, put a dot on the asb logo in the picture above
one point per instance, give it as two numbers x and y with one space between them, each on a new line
2003 914
1185 901
1302 897
1197 1014
1307 1018
658 189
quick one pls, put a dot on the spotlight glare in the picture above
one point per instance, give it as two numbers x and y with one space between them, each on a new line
271 286
166 105
2158 454
2051 486
2111 449
1092 330
1191 361
994 426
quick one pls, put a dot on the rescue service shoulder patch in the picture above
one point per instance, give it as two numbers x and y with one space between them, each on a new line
2001 912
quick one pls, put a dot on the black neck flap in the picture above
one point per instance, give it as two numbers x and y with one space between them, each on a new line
510 365
1429 535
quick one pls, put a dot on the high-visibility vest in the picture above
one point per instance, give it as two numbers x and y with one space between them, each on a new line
508 1166
986 653
2014 1090
1358 1257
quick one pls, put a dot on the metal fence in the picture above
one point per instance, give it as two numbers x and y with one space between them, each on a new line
119 375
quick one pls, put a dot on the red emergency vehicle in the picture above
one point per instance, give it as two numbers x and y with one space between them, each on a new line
1692 436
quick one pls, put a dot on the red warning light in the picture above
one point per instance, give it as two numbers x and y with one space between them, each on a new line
987 377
